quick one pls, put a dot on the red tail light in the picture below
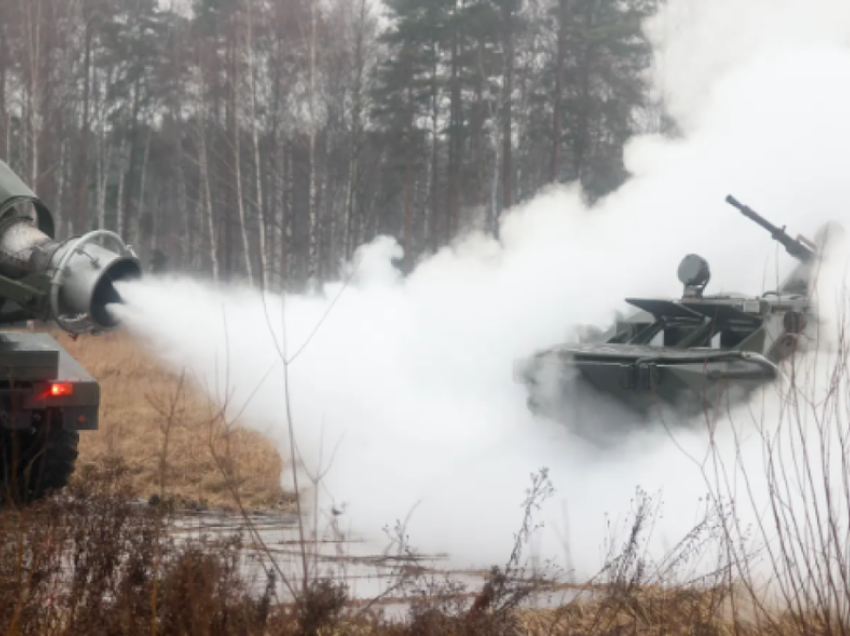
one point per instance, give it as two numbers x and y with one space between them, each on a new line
61 389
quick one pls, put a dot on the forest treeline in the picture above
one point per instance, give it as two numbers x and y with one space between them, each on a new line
265 140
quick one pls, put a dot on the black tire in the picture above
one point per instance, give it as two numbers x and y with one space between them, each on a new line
36 463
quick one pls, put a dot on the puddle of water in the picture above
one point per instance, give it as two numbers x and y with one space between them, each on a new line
372 574
369 570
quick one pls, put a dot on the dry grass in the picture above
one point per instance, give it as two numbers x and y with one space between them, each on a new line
140 433
650 610
96 563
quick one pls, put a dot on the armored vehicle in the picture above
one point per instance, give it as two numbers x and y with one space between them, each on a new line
686 354
46 397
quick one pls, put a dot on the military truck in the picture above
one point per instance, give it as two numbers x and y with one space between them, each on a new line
46 396
689 354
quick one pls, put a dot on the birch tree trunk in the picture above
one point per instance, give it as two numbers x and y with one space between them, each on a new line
261 213
507 103
81 203
33 17
454 141
287 214
59 212
189 245
408 187
435 115
555 171
103 179
4 62
119 210
204 177
205 185
353 175
107 147
479 125
237 160
312 215
138 230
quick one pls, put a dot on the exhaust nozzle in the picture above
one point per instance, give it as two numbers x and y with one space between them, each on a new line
81 271
71 281
83 281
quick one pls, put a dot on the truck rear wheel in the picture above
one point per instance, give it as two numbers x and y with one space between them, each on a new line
36 463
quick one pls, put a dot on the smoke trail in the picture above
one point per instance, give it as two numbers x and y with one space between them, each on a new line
411 377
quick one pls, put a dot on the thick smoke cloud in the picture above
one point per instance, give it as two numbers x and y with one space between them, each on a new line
411 377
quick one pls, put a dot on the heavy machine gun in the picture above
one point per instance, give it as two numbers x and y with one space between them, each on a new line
800 248
46 397
798 281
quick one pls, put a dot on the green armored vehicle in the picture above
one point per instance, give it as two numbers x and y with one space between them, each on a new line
687 354
46 397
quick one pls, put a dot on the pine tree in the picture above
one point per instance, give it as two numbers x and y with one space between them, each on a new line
409 94
606 54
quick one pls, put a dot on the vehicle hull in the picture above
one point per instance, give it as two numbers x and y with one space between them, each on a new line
30 364
641 378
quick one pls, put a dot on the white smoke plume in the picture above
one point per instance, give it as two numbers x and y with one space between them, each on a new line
411 377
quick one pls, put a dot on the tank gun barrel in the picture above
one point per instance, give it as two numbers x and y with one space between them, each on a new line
795 247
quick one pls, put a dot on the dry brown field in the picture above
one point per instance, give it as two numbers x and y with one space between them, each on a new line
162 434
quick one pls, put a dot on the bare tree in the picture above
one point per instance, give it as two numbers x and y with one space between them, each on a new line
313 212
557 108
261 215
508 18
233 53
272 137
